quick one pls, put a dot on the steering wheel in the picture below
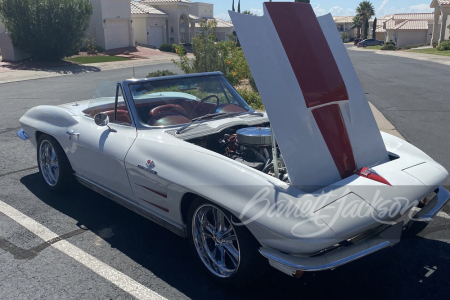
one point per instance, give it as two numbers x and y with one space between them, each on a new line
203 100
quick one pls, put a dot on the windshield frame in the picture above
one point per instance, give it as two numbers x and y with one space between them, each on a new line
129 95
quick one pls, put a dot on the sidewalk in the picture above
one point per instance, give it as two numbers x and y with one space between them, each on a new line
152 57
445 60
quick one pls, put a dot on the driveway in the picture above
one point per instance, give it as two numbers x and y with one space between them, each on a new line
84 246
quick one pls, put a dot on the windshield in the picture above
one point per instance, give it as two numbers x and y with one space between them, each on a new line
178 101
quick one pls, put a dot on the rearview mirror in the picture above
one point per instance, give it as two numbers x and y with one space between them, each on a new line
101 119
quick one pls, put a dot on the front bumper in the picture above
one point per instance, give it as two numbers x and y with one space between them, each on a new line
387 237
23 134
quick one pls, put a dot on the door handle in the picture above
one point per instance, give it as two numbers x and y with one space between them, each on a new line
72 133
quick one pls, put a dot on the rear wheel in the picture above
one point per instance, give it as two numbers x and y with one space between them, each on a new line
54 165
227 252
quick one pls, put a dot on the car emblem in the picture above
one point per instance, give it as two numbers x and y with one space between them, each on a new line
150 163
366 172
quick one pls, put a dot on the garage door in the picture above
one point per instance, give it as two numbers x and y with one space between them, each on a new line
116 34
155 36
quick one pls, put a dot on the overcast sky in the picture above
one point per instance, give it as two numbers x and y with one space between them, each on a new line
322 7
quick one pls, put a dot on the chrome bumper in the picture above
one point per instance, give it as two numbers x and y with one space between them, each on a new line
23 134
289 264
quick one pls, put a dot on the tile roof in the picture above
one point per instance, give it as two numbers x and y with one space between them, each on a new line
412 25
142 9
418 16
380 29
389 24
166 1
220 23
443 2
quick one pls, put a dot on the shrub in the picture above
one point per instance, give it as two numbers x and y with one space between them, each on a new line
444 46
388 47
252 82
166 48
47 30
100 49
160 73
252 98
210 56
390 43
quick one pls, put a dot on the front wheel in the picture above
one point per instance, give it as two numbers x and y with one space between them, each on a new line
227 252
54 165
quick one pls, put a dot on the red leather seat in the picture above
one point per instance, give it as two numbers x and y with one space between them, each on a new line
167 109
122 116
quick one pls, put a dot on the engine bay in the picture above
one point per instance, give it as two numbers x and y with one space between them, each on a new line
251 146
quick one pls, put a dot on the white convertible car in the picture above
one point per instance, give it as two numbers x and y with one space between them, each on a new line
309 186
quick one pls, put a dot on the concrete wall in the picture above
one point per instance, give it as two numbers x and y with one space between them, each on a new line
9 52
411 37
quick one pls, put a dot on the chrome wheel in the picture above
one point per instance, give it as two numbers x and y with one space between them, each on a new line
48 162
215 241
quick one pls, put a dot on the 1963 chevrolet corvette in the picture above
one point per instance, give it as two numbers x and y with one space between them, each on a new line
309 186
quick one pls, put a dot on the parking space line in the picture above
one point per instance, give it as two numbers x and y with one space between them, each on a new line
121 280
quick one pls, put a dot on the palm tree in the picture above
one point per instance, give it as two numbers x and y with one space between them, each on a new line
366 11
357 23
247 12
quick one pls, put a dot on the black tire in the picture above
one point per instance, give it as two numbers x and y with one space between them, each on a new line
65 179
381 44
365 45
252 265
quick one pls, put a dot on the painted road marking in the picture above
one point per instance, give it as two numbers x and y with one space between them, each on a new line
121 280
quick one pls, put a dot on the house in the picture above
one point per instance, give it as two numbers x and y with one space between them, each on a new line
110 24
441 10
409 29
156 22
344 25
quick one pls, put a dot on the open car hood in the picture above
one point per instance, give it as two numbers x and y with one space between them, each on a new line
316 105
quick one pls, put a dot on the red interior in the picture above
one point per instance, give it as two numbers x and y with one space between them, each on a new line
171 112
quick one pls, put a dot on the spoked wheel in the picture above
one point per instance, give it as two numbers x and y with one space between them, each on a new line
48 162
54 165
215 241
227 252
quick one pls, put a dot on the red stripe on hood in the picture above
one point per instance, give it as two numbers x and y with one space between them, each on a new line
317 74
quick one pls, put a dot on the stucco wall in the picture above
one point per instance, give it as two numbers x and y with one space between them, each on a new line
202 10
112 9
411 37
175 12
140 32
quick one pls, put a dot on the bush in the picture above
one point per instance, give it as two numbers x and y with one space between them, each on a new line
444 46
388 47
166 48
160 73
173 48
390 43
252 98
210 56
100 49
252 82
47 30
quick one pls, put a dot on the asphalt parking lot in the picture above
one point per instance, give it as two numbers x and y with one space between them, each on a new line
84 246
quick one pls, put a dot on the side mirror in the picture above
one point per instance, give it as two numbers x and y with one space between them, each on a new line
101 119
